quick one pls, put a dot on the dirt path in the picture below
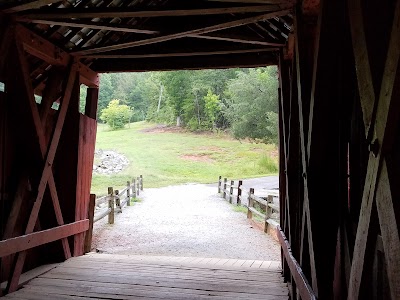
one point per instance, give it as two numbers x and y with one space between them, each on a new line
185 220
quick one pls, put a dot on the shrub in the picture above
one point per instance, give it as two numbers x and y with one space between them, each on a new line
116 115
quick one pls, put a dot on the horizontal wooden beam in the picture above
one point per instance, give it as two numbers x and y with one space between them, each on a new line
178 35
275 4
271 2
304 288
241 60
127 28
25 5
179 54
93 25
242 40
109 12
28 241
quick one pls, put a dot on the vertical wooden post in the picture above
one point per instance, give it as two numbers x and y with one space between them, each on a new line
225 180
128 193
219 184
134 188
118 200
231 191
239 193
111 205
88 236
92 98
141 182
268 212
251 203
138 186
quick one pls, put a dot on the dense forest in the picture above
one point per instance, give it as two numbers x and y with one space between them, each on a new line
243 101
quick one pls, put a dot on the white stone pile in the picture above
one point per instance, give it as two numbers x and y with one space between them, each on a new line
109 162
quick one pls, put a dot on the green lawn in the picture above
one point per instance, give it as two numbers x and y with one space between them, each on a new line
166 158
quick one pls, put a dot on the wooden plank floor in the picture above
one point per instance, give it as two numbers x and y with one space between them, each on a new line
107 276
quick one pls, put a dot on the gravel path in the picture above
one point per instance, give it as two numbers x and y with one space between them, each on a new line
185 220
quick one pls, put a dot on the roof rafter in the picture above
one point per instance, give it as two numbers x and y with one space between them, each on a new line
235 39
180 54
66 13
25 5
178 35
95 25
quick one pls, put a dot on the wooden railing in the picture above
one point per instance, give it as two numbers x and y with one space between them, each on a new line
117 199
257 205
230 190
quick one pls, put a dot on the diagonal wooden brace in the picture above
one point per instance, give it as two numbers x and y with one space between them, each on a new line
47 176
377 185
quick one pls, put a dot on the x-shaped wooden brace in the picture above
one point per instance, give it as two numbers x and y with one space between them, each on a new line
49 155
377 185
306 219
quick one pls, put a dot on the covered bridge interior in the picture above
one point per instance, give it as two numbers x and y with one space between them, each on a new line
339 122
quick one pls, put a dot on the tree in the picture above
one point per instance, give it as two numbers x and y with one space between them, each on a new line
178 87
116 115
253 104
212 107
105 92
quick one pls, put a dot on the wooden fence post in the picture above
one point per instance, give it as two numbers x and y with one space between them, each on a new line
138 186
118 200
133 187
111 205
268 212
141 182
251 203
239 193
219 184
128 193
225 180
89 233
231 191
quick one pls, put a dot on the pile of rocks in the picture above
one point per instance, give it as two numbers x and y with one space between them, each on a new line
109 162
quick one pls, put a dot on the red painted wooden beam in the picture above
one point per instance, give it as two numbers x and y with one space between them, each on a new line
35 239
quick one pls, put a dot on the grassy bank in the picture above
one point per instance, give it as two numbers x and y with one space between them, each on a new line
165 157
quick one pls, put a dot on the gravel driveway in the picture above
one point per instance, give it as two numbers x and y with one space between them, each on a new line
184 220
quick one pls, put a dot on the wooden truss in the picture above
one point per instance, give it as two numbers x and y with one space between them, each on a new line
319 99
48 125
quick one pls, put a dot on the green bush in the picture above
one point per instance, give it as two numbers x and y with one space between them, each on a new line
116 115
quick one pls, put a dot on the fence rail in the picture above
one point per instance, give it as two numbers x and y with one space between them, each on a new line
256 205
228 189
117 199
266 204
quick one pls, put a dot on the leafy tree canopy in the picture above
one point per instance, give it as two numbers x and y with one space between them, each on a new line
244 101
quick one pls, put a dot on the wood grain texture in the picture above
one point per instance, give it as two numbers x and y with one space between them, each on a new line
132 277
35 239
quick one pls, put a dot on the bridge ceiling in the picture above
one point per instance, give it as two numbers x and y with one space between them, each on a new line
140 35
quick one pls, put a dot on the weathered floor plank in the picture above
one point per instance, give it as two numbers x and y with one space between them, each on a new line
103 276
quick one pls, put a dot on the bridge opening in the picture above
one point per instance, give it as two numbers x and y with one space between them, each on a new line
191 128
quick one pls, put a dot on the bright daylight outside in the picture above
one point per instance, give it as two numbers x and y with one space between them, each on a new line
192 160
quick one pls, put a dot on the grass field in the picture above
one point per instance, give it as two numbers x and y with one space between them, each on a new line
165 157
